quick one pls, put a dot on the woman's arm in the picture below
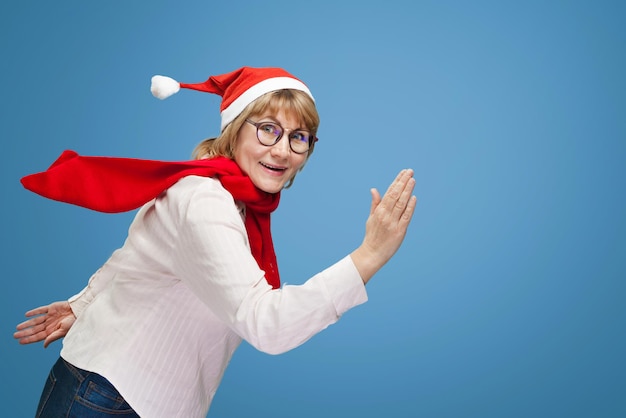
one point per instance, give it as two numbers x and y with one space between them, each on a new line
51 322
212 257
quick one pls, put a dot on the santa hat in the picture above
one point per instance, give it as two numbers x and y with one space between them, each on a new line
238 88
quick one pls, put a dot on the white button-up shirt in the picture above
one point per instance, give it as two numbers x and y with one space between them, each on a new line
163 316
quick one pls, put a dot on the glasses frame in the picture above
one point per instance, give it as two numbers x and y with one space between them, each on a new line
313 138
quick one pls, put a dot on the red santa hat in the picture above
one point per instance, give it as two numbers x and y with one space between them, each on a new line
238 88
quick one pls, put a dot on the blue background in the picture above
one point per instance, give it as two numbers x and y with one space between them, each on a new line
507 297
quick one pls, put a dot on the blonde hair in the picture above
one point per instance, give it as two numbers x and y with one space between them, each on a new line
290 101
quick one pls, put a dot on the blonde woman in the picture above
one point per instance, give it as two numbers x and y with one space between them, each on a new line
153 331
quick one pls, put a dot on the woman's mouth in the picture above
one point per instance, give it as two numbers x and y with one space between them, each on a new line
274 168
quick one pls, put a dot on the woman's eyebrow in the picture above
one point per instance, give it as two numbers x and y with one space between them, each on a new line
273 118
301 126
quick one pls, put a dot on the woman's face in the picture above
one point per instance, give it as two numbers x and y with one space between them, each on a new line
271 167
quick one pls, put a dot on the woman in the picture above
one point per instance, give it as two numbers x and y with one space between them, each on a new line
154 329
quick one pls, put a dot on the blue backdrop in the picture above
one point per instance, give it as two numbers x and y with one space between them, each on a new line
507 298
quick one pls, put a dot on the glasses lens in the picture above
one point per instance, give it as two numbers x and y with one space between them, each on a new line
300 141
268 132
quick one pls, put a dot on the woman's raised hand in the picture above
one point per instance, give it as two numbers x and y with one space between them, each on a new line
386 226
47 323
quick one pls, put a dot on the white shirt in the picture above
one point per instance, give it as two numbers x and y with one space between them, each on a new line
163 316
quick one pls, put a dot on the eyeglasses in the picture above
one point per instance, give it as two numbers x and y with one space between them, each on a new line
269 133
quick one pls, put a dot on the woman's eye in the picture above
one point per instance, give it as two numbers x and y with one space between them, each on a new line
300 136
269 128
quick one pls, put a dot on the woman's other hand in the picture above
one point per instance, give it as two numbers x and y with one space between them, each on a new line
46 323
386 226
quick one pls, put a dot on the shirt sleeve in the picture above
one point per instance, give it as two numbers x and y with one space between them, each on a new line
213 258
81 300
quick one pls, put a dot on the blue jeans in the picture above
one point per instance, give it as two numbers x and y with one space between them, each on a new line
72 393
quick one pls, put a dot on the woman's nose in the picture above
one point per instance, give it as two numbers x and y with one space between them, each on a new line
281 148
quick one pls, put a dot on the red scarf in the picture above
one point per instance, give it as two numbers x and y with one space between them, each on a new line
109 184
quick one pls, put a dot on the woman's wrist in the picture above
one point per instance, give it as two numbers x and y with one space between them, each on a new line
365 262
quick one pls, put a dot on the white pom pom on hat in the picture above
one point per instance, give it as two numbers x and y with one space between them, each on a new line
238 88
163 87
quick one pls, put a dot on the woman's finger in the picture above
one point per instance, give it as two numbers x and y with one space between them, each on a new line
404 198
375 200
398 193
405 219
60 333
41 328
392 193
31 322
28 339
37 311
